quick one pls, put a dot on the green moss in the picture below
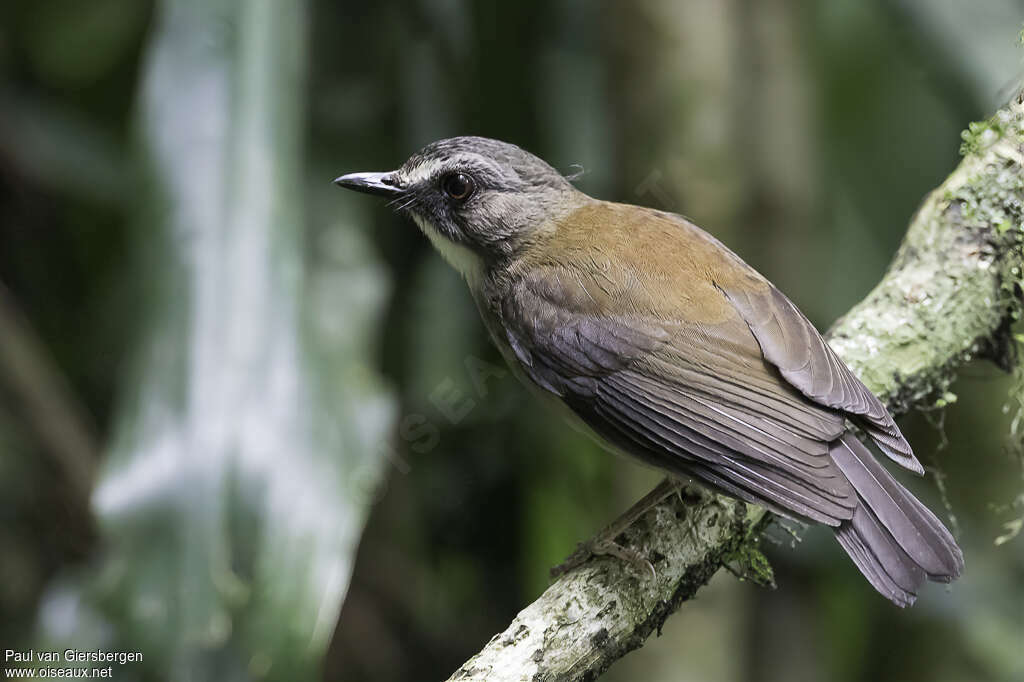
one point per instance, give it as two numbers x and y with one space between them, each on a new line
992 197
980 135
750 563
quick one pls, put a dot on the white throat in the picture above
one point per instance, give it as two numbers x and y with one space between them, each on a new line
467 263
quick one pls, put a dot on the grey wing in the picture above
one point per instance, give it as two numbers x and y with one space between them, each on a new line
686 398
790 342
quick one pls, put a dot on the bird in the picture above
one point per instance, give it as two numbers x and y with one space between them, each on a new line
667 346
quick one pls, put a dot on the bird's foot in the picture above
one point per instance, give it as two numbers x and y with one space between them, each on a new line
603 546
607 543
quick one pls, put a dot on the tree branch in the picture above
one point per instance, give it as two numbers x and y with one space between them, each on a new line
949 296
51 409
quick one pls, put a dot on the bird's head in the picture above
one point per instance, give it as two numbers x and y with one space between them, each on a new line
478 200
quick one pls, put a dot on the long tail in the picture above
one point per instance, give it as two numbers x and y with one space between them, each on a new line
893 538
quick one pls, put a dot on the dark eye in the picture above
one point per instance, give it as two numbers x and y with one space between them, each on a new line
458 186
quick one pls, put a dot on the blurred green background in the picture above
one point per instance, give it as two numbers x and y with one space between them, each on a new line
250 425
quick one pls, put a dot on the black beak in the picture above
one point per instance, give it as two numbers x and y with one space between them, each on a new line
381 184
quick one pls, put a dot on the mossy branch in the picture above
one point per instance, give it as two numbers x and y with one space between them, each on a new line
950 295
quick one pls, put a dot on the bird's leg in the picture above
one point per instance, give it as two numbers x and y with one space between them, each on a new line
605 543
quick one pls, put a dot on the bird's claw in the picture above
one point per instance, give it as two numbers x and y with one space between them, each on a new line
585 551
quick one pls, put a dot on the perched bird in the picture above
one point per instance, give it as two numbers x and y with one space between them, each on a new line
670 348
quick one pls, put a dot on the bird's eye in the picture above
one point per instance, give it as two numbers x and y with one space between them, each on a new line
458 186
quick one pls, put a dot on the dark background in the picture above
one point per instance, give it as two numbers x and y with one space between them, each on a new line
803 134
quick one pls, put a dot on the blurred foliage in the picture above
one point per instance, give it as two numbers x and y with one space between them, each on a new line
168 229
245 446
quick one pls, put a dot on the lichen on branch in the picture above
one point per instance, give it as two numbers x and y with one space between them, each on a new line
953 288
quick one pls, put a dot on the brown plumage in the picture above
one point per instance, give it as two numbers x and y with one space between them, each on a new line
670 348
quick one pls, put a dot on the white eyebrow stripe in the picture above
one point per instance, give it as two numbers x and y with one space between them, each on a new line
427 169
420 173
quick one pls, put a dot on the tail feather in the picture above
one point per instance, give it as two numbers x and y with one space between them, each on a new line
887 567
894 540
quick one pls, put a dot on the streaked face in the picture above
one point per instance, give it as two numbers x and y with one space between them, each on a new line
476 199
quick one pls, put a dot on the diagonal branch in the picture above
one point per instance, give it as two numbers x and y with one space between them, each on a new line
949 296
49 406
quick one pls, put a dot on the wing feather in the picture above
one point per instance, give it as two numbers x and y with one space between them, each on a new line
673 350
790 342
697 399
